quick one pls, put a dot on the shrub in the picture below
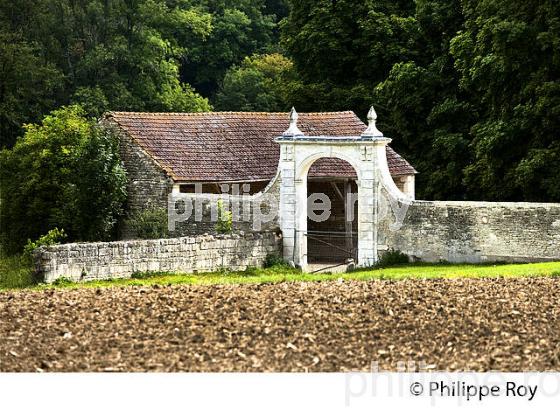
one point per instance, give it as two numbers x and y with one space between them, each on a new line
52 237
225 220
392 258
66 173
224 270
148 274
62 282
150 224
251 271
273 260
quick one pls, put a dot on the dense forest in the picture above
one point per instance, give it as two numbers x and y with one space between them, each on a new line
469 90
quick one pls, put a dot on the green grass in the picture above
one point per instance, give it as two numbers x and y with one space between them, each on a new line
15 273
284 274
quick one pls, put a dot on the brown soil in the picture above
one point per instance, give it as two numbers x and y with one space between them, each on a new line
486 324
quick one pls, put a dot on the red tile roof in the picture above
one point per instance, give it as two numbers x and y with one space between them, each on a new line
237 146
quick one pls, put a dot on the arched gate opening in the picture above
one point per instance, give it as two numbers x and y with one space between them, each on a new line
332 210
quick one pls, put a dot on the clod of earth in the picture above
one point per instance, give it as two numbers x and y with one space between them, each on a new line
457 324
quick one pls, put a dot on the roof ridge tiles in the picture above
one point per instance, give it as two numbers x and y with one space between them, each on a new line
240 113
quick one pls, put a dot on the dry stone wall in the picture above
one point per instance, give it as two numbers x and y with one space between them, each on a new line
110 260
476 232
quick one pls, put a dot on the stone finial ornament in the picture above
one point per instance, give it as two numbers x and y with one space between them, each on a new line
372 130
293 130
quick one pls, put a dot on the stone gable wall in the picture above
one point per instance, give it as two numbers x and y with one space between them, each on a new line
148 185
476 232
111 260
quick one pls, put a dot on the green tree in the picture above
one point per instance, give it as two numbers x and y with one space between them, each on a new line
102 54
423 109
508 59
64 173
260 83
239 28
28 87
127 53
343 49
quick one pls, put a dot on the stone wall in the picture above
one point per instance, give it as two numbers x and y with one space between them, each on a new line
148 184
244 206
476 232
110 260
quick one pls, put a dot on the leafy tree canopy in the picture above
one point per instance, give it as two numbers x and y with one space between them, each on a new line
260 83
469 90
239 29
508 58
103 54
63 173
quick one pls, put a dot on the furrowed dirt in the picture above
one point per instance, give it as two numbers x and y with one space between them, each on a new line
460 324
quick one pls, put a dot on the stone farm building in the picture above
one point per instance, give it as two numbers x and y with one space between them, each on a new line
174 151
166 150
286 159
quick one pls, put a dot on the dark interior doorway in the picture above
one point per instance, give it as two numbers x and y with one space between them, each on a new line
334 240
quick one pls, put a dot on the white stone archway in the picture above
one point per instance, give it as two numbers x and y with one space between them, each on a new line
366 153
